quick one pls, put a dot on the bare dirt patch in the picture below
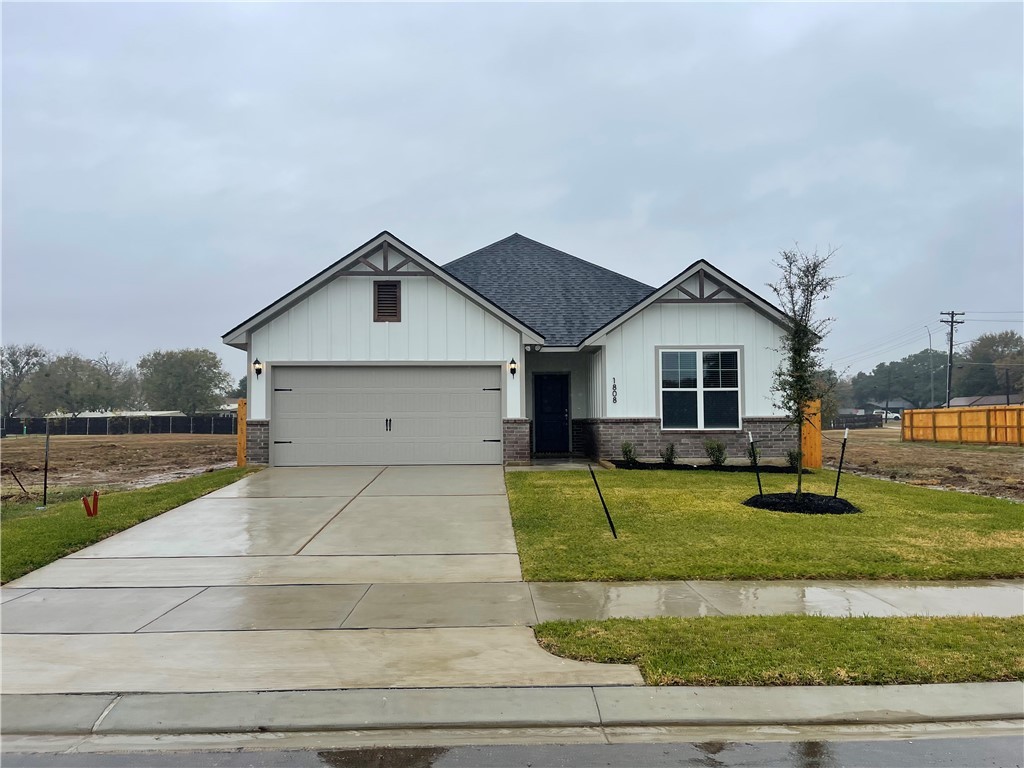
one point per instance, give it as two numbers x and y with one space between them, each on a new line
996 470
117 461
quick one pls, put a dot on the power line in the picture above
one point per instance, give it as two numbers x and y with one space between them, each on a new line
899 339
1000 365
855 357
892 335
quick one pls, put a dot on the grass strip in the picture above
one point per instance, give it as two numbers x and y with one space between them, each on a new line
693 525
28 542
798 650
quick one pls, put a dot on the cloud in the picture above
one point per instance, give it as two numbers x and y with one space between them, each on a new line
170 168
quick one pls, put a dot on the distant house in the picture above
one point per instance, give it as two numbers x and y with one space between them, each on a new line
112 414
978 401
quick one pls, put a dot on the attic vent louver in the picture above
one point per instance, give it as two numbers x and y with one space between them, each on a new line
387 301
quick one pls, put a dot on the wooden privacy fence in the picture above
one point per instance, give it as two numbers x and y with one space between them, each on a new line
243 409
812 435
990 425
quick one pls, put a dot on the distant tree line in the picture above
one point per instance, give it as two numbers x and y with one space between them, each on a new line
992 364
35 382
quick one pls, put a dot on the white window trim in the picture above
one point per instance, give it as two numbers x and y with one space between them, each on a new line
738 389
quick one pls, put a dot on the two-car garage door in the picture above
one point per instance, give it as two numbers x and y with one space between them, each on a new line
385 415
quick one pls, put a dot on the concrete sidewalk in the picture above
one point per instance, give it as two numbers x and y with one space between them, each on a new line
606 600
405 604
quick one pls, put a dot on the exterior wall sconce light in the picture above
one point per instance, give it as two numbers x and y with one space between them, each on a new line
513 367
257 367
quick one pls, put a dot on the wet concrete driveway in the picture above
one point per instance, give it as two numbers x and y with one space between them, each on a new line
341 577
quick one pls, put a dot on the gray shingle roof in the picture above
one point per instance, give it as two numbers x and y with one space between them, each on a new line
563 297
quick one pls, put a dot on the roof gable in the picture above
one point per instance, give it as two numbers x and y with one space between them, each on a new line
382 256
564 297
699 283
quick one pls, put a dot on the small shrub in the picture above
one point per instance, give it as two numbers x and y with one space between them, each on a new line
793 459
668 454
628 452
753 454
715 451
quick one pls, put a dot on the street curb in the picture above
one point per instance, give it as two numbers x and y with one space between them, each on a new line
481 708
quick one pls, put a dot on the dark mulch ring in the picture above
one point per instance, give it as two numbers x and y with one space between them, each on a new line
770 469
805 504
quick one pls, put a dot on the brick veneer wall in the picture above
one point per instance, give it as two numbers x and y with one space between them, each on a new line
257 442
603 438
515 442
579 439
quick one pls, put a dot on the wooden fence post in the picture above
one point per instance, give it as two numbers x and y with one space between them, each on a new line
811 446
240 447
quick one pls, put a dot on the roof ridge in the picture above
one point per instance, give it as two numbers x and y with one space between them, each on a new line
473 253
556 250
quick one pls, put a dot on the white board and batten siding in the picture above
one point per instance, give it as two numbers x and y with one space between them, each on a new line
334 325
598 392
630 353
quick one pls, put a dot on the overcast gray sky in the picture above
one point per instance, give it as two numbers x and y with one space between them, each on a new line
170 169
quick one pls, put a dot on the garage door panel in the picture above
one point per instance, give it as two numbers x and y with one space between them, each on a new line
398 377
337 415
326 428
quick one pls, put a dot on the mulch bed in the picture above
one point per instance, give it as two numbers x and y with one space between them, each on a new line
805 504
769 469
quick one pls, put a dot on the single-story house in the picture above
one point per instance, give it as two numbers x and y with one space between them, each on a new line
984 401
514 351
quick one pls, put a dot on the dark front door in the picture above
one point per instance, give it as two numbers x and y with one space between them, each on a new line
551 412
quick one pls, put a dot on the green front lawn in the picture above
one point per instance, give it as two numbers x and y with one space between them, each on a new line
798 650
692 525
31 539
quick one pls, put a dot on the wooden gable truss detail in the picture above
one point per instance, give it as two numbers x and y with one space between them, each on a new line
386 261
702 288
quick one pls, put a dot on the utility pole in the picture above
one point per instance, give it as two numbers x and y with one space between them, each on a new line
952 322
888 391
931 374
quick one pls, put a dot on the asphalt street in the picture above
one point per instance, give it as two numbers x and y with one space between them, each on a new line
985 752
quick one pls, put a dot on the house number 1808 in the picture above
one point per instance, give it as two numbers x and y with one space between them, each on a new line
615 391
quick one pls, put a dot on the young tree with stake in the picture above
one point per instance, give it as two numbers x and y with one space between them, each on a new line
803 286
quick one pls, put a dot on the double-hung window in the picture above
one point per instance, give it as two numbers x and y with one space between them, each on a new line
700 388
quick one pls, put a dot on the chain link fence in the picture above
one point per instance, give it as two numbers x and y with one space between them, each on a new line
215 424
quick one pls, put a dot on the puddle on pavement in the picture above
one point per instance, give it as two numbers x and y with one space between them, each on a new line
409 757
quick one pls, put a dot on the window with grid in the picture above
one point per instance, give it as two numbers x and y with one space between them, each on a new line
700 389
387 301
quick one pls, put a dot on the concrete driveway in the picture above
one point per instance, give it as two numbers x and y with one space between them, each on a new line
318 578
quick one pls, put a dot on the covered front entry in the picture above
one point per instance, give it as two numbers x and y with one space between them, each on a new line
377 415
551 413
